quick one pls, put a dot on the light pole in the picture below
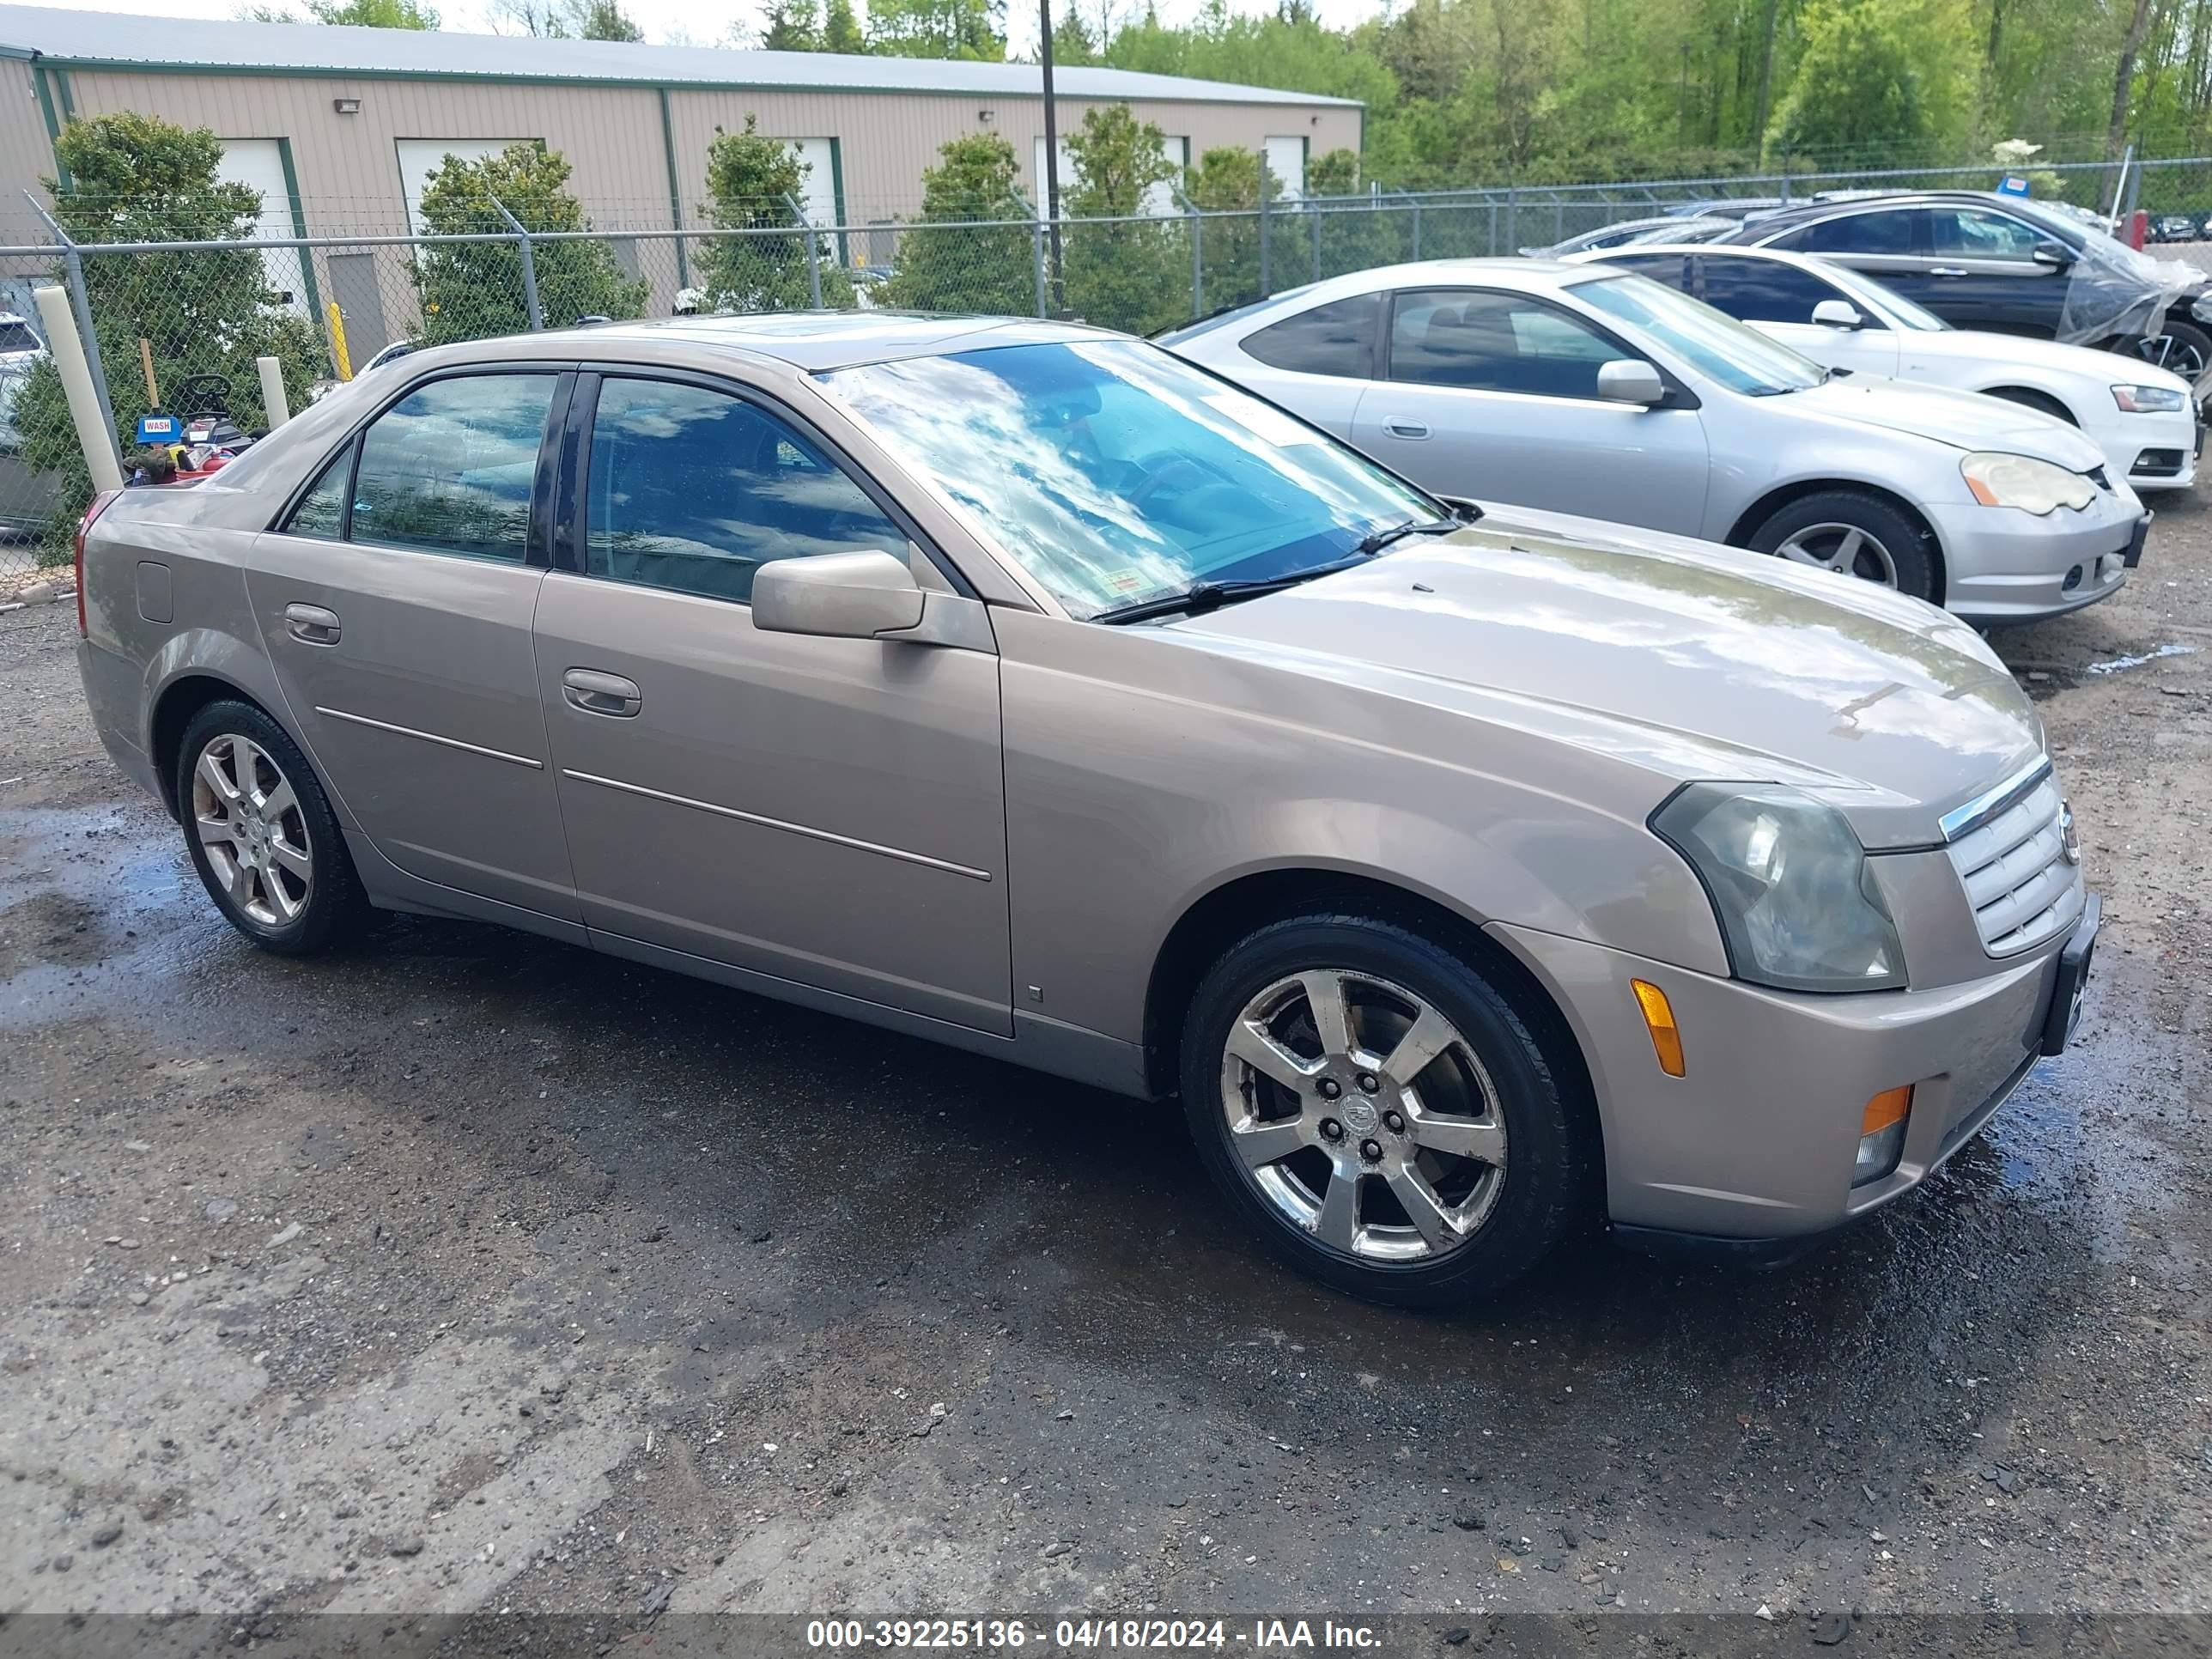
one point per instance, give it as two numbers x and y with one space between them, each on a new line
1051 156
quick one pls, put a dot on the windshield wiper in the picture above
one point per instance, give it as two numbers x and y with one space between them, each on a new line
1201 596
1375 540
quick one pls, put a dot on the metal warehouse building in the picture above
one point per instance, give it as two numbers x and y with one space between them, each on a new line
338 127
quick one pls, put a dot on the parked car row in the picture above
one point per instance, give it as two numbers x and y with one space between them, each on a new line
1470 873
2145 420
1591 390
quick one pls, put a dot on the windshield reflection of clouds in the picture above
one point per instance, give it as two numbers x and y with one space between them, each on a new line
1112 472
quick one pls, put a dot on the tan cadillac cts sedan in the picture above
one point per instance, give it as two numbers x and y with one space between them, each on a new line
1021 687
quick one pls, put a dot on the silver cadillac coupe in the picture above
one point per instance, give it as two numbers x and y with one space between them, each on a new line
1025 688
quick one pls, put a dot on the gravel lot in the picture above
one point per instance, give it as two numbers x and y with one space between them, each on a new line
472 1272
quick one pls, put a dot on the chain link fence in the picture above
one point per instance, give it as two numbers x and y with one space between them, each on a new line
177 324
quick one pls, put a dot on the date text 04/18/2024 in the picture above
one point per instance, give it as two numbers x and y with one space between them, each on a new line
1079 1635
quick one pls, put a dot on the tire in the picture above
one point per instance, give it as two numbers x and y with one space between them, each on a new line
2182 347
2041 403
277 867
1893 549
1502 1203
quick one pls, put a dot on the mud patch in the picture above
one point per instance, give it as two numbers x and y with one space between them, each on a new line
53 928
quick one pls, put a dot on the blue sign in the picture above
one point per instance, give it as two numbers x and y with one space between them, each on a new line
2012 185
157 428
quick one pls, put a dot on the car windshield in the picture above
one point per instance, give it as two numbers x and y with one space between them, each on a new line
1113 473
1739 358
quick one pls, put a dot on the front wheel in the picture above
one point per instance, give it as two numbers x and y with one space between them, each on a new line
1851 533
1379 1112
261 834
2183 347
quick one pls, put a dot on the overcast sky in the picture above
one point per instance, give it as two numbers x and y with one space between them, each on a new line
694 23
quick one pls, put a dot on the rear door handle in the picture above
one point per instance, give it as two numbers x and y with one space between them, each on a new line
601 694
1398 428
1946 271
311 624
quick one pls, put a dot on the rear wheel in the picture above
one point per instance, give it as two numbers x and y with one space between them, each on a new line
1851 533
1378 1111
261 834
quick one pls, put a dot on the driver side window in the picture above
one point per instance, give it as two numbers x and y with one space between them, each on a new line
693 490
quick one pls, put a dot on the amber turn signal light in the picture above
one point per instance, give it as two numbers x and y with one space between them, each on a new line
1886 1107
1659 1020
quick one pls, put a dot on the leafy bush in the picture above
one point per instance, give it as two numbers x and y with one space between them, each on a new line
987 268
751 182
473 290
1134 276
137 179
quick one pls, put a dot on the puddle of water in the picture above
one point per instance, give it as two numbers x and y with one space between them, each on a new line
2118 664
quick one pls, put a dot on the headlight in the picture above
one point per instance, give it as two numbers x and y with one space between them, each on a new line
1796 903
2021 481
2150 399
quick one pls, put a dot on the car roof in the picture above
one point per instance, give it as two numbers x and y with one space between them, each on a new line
1839 206
806 341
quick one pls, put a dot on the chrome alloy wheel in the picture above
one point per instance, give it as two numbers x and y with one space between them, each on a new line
250 827
1361 1113
1843 547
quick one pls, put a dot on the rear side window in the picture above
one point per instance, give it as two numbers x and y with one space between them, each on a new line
1857 233
321 511
1672 269
17 337
448 468
1337 338
693 490
1763 290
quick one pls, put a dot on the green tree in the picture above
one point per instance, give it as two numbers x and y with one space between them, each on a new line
470 290
135 179
1875 77
972 29
360 14
948 263
1226 181
841 30
792 26
753 181
606 20
1135 275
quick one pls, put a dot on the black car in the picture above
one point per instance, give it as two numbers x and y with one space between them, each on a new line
2174 227
2008 266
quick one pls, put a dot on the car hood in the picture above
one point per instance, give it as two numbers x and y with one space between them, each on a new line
1963 420
1693 660
2055 355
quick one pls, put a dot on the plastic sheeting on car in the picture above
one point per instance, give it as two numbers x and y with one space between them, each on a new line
2113 291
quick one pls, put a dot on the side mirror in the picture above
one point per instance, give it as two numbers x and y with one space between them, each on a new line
2057 255
1629 381
839 596
1838 313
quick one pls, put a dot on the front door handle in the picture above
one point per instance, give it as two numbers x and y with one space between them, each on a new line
311 624
1946 271
1398 428
601 694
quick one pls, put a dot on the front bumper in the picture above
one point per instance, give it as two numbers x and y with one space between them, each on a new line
2003 565
1754 1145
2152 451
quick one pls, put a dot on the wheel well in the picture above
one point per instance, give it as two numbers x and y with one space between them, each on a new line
1238 907
180 700
1775 500
2028 398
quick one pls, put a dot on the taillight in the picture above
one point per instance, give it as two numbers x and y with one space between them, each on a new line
84 528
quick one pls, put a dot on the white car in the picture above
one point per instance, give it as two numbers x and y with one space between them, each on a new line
2145 419
1589 389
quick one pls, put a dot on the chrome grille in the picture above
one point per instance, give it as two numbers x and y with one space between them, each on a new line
2011 858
